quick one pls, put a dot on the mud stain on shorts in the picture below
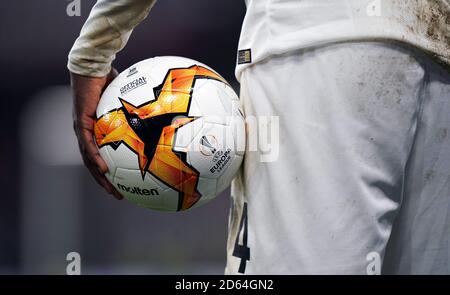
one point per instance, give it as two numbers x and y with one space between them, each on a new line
427 19
435 16
431 19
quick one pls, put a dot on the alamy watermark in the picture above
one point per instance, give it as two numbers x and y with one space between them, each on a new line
374 265
374 8
74 265
259 135
73 8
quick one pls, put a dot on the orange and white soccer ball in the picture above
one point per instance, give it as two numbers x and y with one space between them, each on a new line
171 132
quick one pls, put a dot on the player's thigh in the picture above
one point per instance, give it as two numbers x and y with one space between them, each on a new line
421 235
347 120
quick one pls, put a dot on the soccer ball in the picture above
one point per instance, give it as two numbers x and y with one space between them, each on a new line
171 132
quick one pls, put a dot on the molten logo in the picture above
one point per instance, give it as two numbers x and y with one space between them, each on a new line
138 191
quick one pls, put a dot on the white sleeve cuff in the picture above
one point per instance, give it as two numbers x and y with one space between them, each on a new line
105 33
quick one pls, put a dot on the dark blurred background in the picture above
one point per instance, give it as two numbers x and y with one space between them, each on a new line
49 204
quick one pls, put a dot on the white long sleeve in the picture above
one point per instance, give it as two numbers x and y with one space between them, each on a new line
105 33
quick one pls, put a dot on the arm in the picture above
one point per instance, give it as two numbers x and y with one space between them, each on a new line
105 33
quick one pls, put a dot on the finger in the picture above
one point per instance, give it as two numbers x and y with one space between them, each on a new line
92 162
102 180
117 195
97 173
92 152
99 178
110 77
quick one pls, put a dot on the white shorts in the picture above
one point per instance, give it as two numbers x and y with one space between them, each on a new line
363 145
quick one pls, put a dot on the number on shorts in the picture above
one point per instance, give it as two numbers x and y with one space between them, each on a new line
242 251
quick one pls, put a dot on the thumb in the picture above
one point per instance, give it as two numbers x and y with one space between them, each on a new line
111 76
